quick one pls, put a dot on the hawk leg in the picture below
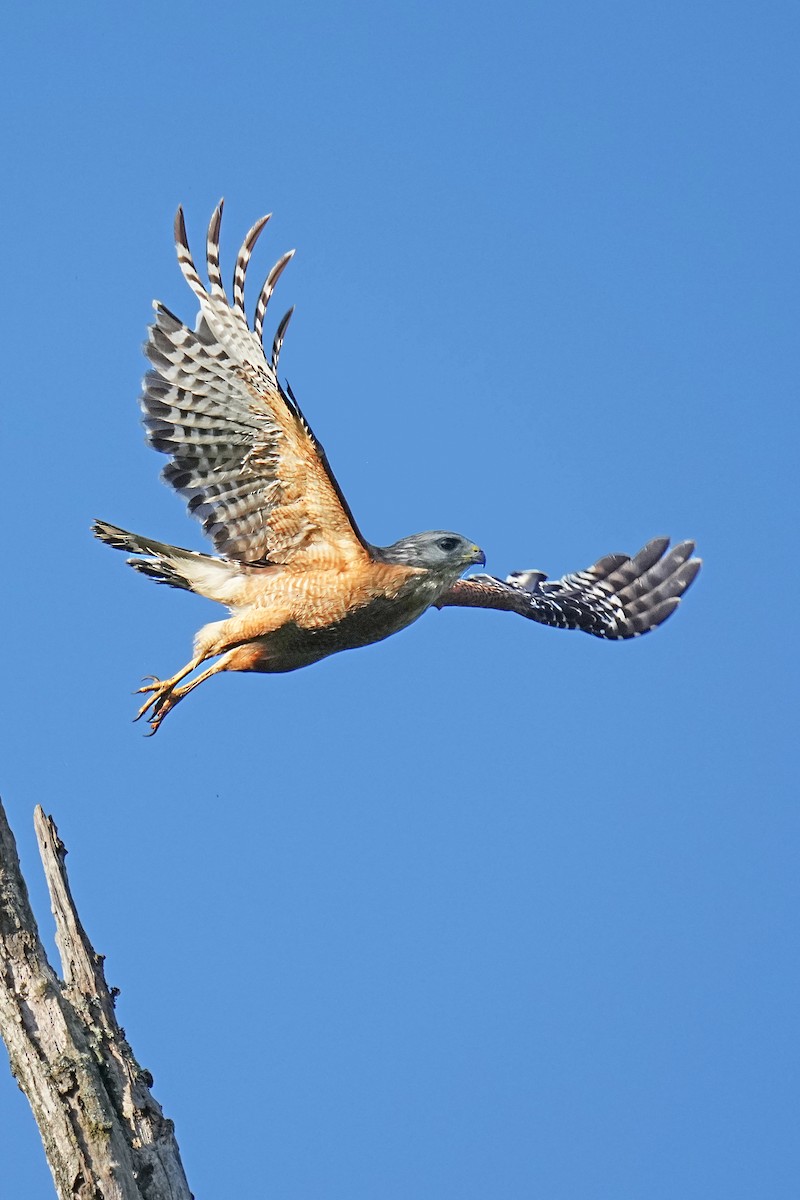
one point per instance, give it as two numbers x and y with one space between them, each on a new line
166 693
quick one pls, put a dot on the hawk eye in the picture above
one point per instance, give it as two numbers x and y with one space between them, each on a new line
447 544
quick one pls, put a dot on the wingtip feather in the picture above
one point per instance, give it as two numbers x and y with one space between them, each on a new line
212 253
267 290
179 228
243 258
279 336
215 224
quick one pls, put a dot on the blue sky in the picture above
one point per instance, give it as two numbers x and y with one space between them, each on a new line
489 909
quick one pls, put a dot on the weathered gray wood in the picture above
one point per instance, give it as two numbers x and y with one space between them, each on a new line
104 1135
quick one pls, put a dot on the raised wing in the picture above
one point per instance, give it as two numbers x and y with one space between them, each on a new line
619 597
242 454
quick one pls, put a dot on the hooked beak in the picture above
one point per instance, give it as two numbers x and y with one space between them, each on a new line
477 556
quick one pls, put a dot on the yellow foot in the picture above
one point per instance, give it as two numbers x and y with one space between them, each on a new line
164 698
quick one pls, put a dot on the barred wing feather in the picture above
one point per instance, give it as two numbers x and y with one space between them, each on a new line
242 454
618 597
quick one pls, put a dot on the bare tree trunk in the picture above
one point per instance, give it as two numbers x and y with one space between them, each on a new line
104 1135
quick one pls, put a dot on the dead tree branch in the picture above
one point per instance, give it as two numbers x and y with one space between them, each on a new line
104 1135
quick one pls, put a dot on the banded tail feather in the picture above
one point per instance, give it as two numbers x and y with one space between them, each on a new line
172 565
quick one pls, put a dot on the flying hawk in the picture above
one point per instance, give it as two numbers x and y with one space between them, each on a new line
297 575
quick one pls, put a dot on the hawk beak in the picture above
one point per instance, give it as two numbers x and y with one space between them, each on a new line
478 557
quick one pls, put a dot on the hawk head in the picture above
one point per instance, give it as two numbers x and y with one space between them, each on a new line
439 551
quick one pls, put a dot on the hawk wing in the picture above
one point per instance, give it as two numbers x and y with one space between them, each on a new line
242 454
619 597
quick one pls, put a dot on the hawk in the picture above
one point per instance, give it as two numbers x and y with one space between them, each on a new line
294 570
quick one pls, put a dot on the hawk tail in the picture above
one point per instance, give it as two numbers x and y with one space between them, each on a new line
170 565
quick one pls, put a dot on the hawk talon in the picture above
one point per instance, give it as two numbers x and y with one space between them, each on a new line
161 700
155 723
148 687
143 710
